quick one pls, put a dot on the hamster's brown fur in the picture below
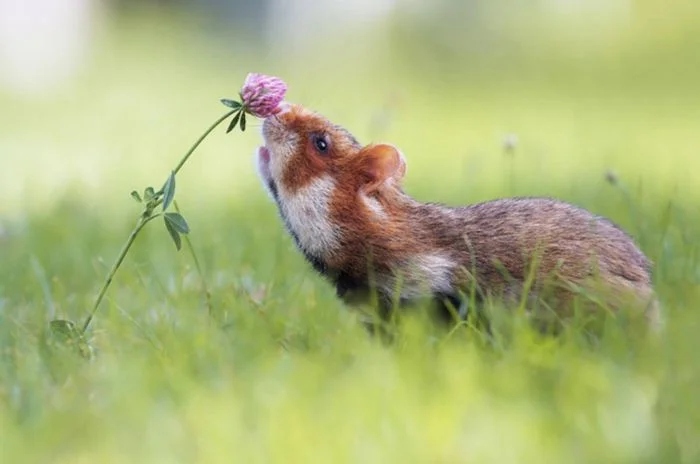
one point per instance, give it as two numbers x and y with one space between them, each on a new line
344 206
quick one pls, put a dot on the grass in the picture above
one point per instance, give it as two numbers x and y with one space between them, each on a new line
283 372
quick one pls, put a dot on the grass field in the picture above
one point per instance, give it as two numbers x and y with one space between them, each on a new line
281 371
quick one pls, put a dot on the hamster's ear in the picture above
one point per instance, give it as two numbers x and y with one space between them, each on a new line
380 163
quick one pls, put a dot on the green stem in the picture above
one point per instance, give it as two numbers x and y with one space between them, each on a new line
204 135
205 289
143 220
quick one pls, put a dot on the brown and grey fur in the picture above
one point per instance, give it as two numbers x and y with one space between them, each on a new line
348 214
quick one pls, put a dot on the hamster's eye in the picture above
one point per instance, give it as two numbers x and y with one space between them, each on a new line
321 143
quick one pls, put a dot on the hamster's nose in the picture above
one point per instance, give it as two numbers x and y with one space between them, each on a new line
282 108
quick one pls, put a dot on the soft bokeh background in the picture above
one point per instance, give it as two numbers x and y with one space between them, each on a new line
592 101
107 94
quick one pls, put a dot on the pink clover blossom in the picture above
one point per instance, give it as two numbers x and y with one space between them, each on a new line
262 94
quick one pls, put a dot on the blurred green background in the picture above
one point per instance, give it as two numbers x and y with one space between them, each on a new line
485 99
106 95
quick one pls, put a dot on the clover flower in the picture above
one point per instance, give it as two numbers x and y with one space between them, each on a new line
262 94
260 97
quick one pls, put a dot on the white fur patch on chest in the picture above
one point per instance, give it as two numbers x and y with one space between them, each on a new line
307 213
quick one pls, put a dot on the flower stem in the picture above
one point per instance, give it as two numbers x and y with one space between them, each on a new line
143 220
205 289
203 136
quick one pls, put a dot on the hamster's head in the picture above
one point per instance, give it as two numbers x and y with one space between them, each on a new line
324 182
304 151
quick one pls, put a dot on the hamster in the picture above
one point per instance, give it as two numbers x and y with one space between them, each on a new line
343 204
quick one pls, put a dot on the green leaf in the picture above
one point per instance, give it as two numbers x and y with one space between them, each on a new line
135 195
169 191
174 234
148 194
231 103
234 121
64 330
243 121
67 334
178 222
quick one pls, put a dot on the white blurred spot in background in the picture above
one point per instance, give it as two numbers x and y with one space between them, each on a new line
291 24
605 10
43 43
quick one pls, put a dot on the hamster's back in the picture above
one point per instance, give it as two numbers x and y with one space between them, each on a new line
504 238
508 227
